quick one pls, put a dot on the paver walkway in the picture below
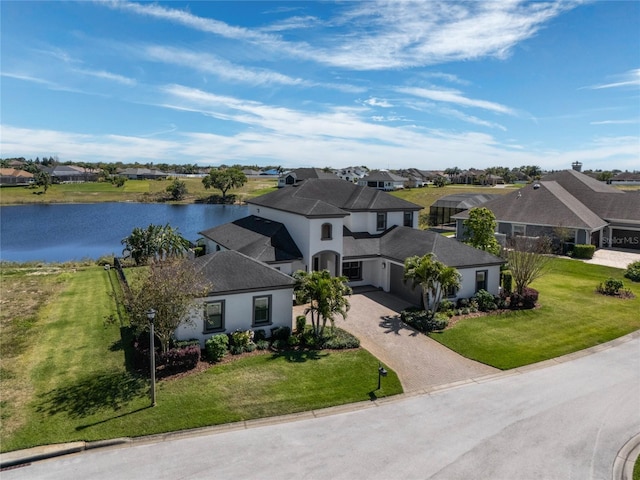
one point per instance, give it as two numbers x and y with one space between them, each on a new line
419 361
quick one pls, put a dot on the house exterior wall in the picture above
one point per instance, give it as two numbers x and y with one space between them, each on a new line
238 314
468 283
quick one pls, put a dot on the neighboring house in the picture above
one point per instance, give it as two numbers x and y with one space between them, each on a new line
383 180
15 177
568 203
359 232
352 174
71 174
245 295
626 178
143 174
441 210
301 174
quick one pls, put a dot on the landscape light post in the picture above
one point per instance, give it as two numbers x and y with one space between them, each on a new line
151 315
381 373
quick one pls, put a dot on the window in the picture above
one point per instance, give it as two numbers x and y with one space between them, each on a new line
517 230
326 231
381 221
481 280
352 270
408 219
214 316
451 292
262 310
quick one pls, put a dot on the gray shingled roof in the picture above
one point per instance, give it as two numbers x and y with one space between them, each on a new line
230 271
398 243
382 176
259 238
548 204
464 200
324 198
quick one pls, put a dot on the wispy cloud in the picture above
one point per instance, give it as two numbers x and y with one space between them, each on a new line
627 79
292 23
456 97
616 122
114 77
378 102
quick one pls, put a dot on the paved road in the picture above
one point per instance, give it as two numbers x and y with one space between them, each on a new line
565 421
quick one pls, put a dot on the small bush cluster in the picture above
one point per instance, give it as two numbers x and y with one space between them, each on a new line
241 341
610 286
526 301
633 272
507 282
486 301
178 360
217 347
583 251
339 339
420 320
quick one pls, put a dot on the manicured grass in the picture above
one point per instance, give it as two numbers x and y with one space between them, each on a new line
572 317
426 196
78 387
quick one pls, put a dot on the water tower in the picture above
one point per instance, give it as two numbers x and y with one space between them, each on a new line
577 166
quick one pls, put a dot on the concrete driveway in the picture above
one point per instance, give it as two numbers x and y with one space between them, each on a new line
614 258
420 362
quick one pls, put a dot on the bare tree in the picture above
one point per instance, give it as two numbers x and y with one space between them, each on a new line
528 259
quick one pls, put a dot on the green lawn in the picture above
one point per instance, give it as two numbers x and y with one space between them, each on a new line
572 316
79 388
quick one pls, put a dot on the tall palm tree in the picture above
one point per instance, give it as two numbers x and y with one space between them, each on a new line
326 296
155 242
433 277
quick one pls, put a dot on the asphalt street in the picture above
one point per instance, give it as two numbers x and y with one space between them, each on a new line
567 419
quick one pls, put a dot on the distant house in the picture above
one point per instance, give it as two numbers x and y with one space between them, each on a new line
301 174
362 233
352 174
271 172
382 180
15 177
143 174
245 295
71 174
441 211
626 178
586 210
251 173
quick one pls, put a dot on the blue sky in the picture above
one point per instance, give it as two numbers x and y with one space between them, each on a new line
392 84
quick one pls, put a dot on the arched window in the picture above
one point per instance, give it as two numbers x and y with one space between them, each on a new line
326 231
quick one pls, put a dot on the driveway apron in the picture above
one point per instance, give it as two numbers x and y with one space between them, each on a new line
419 361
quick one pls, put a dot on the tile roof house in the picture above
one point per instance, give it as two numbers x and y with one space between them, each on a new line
245 295
71 174
359 232
13 176
591 211
301 174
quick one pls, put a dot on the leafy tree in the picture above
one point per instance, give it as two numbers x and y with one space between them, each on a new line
528 260
177 189
118 181
224 180
433 277
42 179
155 242
480 230
326 296
171 289
439 181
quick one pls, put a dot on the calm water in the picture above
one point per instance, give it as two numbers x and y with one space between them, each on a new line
58 233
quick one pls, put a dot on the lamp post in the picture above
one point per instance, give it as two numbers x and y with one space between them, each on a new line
151 315
381 373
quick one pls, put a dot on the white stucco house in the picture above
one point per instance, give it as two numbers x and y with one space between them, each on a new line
383 180
360 232
246 294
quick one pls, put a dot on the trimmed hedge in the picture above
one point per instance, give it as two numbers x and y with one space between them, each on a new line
179 360
419 319
633 272
217 347
584 251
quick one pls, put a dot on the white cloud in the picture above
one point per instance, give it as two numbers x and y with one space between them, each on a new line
107 76
456 97
627 79
378 102
615 122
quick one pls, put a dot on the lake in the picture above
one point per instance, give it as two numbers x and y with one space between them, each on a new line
64 232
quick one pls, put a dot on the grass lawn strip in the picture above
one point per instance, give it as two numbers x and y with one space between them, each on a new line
572 317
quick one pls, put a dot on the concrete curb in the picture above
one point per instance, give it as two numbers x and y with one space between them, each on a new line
24 457
626 459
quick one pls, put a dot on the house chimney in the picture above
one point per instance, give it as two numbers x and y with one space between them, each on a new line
577 166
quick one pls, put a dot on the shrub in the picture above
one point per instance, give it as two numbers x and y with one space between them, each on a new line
180 359
526 301
486 301
293 341
611 286
340 339
236 349
186 343
583 251
301 323
280 344
262 344
633 272
217 347
259 335
463 303
240 340
507 282
280 333
419 319
445 306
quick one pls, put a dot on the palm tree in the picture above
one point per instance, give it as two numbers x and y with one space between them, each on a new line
155 242
433 277
326 296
